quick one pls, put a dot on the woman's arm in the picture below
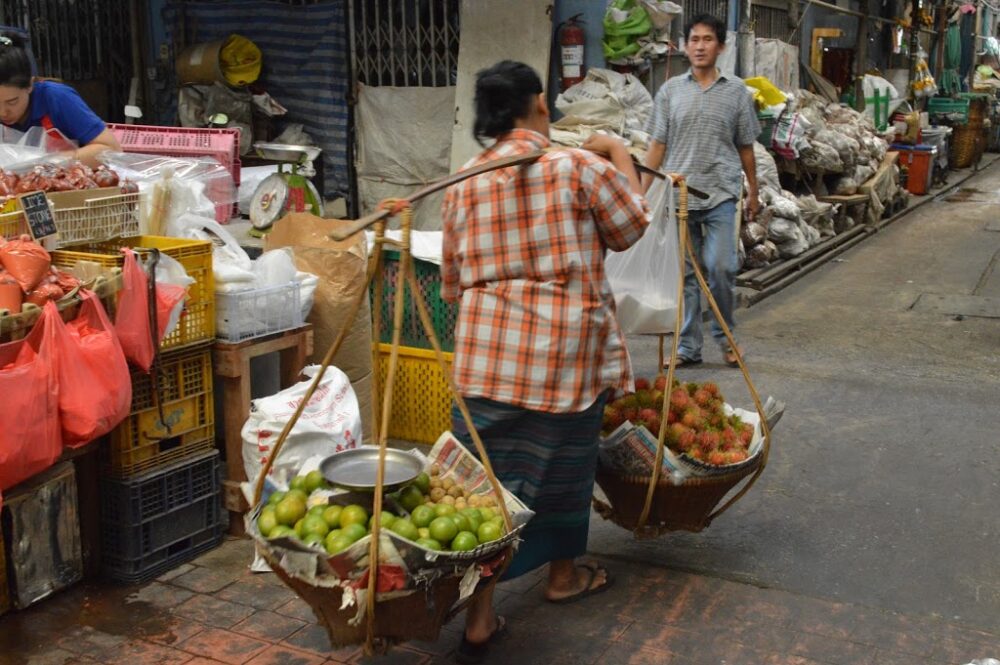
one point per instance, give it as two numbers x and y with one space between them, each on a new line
104 141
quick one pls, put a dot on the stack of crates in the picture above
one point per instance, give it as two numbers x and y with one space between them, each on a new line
161 488
425 412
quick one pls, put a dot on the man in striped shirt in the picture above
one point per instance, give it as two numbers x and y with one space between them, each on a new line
703 126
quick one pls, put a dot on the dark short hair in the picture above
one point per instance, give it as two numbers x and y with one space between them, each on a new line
503 93
714 22
15 63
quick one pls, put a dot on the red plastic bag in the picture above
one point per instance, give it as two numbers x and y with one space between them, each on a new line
95 388
26 261
29 427
168 297
132 322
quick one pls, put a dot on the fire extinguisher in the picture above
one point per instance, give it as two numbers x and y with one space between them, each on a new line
571 40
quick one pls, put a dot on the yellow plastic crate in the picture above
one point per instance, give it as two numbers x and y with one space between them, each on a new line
421 405
197 322
143 441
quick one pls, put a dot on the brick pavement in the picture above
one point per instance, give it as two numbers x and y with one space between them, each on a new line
216 611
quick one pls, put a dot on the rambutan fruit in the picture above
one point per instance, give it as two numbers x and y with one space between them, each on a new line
686 440
708 441
642 383
711 388
660 383
647 414
679 399
702 397
718 458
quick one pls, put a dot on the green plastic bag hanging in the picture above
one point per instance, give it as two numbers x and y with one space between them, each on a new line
621 37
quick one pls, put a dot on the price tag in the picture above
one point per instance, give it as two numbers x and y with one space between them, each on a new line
41 222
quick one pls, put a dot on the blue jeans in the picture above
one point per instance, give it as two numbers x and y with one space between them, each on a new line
712 234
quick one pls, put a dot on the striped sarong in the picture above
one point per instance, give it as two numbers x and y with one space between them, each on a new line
548 461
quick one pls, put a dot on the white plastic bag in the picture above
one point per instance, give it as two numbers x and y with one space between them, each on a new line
644 277
330 423
275 267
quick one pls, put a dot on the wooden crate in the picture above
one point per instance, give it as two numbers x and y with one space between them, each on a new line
41 524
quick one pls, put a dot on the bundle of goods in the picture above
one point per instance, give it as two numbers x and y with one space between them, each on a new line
441 534
56 178
27 276
704 435
832 141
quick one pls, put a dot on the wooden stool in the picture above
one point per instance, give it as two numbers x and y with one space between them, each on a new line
231 364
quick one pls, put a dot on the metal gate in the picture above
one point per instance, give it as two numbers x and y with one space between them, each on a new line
717 8
770 22
87 43
405 42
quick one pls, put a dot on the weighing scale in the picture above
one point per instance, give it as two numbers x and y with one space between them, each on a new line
287 190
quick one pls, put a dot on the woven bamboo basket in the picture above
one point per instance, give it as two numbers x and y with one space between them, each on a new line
967 145
417 616
690 506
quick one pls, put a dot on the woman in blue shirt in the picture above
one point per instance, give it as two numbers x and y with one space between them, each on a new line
26 103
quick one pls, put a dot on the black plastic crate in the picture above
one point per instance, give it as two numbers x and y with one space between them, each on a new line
154 564
133 500
154 522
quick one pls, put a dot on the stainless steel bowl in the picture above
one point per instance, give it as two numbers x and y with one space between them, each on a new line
284 152
356 469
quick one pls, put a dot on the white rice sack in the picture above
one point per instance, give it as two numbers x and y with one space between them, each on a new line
822 157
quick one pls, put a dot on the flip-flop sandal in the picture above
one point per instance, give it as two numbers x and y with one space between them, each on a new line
730 357
683 361
470 653
588 590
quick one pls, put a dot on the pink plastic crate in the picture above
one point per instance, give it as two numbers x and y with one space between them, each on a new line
221 144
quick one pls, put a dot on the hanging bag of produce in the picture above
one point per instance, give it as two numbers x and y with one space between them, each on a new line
95 388
26 261
29 435
644 277
132 322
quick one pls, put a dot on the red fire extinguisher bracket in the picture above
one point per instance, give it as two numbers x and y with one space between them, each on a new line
571 39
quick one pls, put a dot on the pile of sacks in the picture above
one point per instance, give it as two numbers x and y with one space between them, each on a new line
787 224
829 139
838 141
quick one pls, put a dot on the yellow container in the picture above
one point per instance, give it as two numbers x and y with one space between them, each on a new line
234 60
767 91
197 322
144 441
421 405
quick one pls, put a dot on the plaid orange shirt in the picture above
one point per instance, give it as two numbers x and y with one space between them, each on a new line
524 250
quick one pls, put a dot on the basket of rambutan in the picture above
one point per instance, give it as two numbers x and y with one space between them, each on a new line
709 447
